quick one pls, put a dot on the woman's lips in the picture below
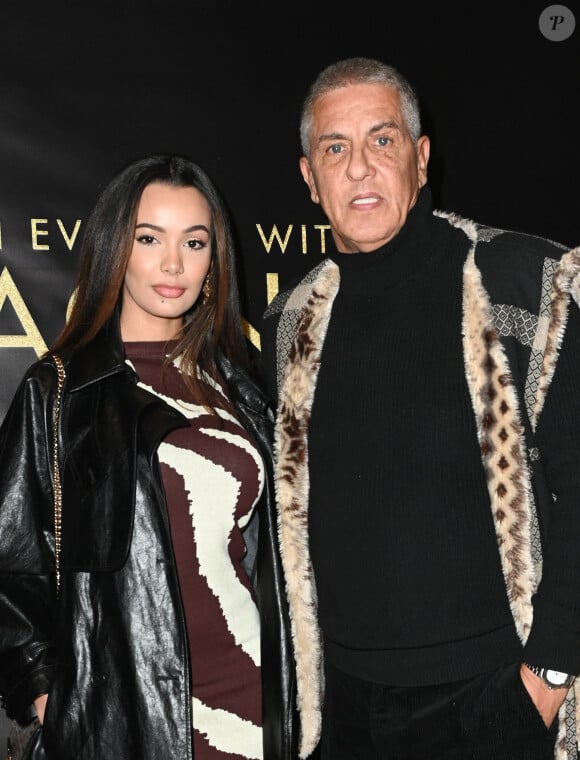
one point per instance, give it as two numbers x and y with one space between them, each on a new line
168 292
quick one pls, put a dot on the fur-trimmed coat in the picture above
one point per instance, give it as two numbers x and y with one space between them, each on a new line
518 293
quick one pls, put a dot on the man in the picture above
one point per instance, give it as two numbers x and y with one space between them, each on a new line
428 455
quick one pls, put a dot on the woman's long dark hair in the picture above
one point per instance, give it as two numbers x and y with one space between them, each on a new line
213 323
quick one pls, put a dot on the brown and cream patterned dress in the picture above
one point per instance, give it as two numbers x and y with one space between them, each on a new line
213 476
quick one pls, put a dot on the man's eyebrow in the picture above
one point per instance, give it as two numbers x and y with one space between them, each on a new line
389 124
332 136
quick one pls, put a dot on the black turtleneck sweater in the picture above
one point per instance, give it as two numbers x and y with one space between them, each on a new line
401 535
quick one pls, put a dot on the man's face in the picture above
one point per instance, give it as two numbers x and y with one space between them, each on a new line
364 169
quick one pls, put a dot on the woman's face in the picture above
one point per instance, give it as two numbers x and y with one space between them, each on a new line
168 263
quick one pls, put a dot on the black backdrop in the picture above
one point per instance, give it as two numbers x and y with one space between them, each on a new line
86 87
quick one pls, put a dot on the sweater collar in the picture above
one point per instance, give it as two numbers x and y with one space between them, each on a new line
406 252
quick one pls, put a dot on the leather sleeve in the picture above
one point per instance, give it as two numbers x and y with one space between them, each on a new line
27 584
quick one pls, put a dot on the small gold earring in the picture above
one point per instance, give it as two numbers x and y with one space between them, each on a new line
206 289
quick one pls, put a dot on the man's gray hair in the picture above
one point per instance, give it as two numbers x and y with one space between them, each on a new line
359 71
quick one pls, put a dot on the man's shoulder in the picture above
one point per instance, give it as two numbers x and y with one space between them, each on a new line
514 244
517 267
519 239
504 242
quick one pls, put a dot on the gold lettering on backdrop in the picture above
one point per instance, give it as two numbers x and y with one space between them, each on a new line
251 333
70 241
32 338
272 286
324 228
271 290
71 302
36 233
274 235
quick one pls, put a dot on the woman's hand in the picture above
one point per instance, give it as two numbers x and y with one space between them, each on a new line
40 704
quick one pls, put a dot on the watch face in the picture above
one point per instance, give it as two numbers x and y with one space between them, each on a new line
556 678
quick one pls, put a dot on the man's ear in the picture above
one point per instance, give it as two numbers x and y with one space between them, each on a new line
423 152
309 178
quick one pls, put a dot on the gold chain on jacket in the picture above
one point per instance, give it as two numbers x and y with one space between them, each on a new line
56 472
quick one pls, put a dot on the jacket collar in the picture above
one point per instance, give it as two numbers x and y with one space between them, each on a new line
244 389
102 357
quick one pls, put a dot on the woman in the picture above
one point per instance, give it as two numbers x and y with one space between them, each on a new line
129 622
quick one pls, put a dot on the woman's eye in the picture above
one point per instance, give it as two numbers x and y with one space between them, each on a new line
196 244
145 239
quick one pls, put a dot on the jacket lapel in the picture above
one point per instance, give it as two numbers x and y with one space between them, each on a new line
292 482
501 438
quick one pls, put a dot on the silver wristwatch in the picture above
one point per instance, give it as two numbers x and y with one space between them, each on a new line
554 679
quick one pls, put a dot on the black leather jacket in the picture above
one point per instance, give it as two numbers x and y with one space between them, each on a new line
111 651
